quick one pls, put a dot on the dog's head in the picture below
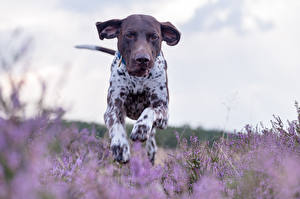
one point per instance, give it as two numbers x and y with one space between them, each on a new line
139 40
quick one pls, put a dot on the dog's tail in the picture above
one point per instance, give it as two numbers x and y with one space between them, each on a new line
98 48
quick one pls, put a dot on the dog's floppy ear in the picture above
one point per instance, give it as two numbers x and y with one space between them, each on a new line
109 29
170 33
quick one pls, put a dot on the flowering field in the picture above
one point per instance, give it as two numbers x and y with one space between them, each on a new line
40 157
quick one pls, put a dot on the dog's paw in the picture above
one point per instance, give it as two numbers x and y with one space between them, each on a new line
140 132
120 150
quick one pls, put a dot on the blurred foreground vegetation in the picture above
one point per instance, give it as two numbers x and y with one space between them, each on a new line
43 157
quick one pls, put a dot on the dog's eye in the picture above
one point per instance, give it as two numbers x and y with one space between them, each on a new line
130 35
153 37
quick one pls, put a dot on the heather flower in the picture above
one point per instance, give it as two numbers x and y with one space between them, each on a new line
207 187
40 157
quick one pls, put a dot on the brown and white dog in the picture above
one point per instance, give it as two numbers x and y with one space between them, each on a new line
138 83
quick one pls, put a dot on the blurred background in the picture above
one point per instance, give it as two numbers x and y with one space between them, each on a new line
236 64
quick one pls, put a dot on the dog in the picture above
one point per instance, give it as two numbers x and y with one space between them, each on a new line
138 84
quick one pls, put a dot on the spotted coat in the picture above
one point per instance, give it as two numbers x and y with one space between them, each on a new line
144 99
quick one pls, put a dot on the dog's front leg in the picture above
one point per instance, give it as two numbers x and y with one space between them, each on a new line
150 118
144 128
114 120
151 146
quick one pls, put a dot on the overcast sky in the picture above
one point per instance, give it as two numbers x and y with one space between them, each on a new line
238 61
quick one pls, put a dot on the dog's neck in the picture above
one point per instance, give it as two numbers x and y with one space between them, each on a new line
154 79
119 56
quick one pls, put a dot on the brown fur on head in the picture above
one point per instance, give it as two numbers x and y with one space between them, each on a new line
139 40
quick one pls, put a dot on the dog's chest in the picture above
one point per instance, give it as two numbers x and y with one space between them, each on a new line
135 103
138 93
120 79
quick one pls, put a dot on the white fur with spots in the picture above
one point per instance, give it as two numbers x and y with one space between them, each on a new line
142 98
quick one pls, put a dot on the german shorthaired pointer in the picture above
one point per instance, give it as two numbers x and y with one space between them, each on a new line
138 83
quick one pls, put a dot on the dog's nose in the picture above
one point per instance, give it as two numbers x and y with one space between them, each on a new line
142 59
